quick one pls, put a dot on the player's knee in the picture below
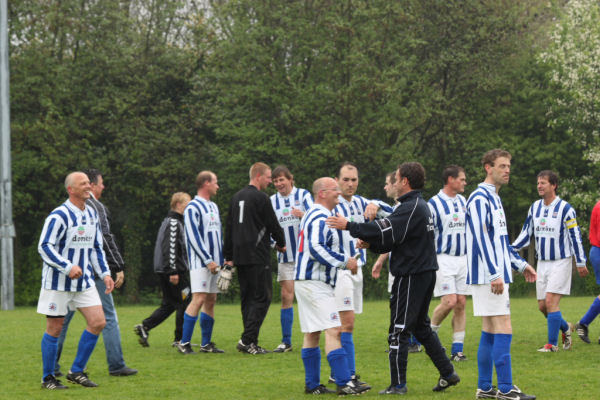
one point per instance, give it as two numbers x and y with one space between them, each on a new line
450 301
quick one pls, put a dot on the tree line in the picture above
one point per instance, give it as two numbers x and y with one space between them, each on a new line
151 92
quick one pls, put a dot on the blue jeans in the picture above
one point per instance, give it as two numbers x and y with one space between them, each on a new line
111 333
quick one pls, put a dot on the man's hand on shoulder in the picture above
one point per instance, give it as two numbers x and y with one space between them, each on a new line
371 211
337 222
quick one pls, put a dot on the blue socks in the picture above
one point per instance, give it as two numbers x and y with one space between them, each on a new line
188 327
206 324
311 357
485 363
49 348
501 356
84 351
348 345
339 367
287 319
554 323
593 311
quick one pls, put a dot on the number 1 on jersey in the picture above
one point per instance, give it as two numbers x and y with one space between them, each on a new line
241 221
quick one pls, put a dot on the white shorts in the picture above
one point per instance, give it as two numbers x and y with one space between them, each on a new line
553 277
203 281
285 271
487 304
451 278
58 303
348 291
316 306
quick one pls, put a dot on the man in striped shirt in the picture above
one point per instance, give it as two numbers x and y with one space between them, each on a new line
489 259
553 223
316 267
203 237
349 287
111 334
289 203
71 249
448 211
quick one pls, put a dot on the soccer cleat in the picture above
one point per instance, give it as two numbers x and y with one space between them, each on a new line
458 357
50 382
175 343
321 389
582 332
80 378
445 383
141 332
566 337
514 394
250 348
356 380
414 348
486 394
185 348
351 389
548 348
392 389
283 348
57 373
210 348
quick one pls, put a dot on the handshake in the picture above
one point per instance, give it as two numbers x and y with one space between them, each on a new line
225 274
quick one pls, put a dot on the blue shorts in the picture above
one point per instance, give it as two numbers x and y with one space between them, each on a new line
595 260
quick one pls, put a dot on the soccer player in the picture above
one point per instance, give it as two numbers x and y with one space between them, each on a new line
111 333
251 223
71 247
317 264
448 211
408 233
594 310
489 259
205 254
349 287
552 222
290 204
171 266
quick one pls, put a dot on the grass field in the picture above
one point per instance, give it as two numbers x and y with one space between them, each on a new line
164 373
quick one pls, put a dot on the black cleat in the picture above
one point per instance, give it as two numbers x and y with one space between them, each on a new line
458 357
445 383
50 382
321 389
514 394
251 348
351 389
582 332
392 389
486 394
283 348
185 348
80 378
141 332
210 348
57 373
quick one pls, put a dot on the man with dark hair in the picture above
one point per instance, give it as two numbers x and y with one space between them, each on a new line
251 223
111 333
490 258
289 203
553 223
408 233
171 266
448 211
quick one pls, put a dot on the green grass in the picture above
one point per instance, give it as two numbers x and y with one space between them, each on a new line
166 374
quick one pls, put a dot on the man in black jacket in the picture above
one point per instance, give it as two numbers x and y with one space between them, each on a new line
170 264
251 222
408 234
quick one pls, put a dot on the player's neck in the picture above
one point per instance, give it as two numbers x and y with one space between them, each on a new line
347 198
204 194
549 199
490 181
449 192
79 203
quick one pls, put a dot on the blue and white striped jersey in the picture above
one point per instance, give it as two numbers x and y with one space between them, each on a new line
300 199
353 211
449 222
316 259
489 253
71 236
203 235
556 232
